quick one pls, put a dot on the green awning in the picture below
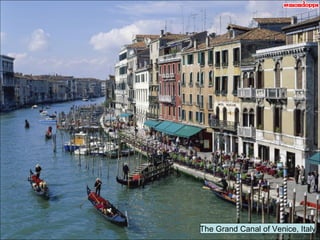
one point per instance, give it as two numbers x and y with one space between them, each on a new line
187 131
162 126
152 123
172 128
315 159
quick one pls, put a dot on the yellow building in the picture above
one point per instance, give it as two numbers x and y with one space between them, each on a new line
287 97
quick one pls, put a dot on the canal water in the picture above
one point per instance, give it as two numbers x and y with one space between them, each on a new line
172 208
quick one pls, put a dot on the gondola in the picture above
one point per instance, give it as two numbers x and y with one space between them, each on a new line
230 197
106 209
38 185
48 134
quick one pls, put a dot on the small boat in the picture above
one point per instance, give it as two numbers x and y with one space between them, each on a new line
147 172
230 197
38 185
34 106
79 139
48 134
26 124
106 209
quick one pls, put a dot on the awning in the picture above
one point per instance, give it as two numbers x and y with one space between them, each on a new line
125 114
162 126
315 159
152 123
187 131
172 128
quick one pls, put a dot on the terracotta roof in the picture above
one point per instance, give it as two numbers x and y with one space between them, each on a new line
137 45
312 21
272 20
261 34
151 36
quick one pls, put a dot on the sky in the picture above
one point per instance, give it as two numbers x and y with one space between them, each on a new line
83 38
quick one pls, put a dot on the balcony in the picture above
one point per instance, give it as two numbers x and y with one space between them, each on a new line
153 99
246 93
276 93
260 93
167 99
248 132
170 58
223 125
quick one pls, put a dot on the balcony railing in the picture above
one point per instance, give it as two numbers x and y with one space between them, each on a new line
249 132
260 93
170 57
224 125
276 93
249 93
167 99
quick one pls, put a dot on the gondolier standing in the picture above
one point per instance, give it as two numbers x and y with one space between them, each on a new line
97 185
125 171
38 170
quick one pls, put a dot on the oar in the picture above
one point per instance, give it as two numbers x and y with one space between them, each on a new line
83 202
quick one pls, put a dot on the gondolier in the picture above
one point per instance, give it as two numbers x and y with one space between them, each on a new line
97 185
125 171
38 170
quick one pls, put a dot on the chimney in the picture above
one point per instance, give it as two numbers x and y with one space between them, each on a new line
207 41
161 33
195 44
294 20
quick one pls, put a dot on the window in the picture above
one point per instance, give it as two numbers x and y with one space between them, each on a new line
210 57
190 80
277 116
225 58
217 63
277 75
236 56
183 83
299 75
190 99
202 79
260 116
260 77
190 59
298 122
236 85
183 114
201 58
210 103
183 98
210 78
251 80
217 85
224 87
224 114
190 116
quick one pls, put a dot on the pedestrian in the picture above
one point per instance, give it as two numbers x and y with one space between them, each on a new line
297 173
302 175
310 180
97 185
316 181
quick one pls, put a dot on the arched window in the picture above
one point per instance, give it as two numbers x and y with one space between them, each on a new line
260 77
217 113
245 80
245 117
236 116
251 80
224 114
277 75
299 75
251 117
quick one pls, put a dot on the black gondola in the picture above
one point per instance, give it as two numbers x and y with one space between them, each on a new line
38 185
106 209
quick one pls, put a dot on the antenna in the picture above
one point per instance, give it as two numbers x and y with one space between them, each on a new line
165 26
182 15
193 15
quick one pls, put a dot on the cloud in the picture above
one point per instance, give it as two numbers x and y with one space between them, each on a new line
118 37
39 40
18 56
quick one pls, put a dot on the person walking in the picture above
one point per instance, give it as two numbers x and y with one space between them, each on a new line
310 180
302 175
297 173
316 181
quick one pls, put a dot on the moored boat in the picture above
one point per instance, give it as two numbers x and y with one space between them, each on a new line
147 172
230 196
38 185
106 209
